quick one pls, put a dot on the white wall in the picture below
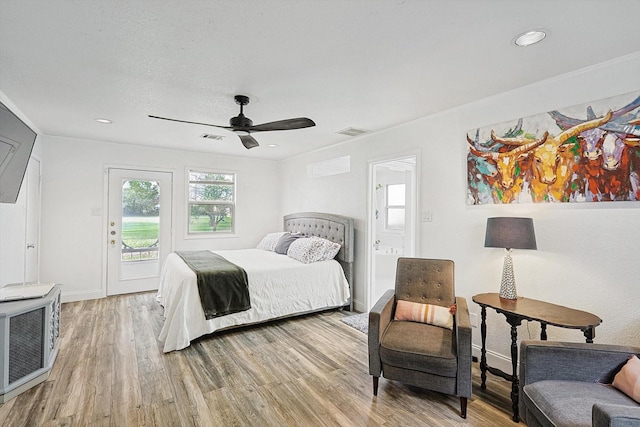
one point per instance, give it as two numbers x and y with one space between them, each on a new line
587 254
586 257
73 187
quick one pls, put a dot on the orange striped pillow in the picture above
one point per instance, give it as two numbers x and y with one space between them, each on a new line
425 313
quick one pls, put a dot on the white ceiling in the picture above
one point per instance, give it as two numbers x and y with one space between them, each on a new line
368 64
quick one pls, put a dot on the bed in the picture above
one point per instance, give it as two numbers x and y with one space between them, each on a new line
279 286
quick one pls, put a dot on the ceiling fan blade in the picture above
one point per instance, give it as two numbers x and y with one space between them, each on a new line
248 141
192 123
288 124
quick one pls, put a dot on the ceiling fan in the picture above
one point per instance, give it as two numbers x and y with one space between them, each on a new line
243 126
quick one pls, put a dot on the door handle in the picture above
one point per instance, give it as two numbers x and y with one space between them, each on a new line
31 246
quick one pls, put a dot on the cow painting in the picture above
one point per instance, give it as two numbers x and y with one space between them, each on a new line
607 152
559 156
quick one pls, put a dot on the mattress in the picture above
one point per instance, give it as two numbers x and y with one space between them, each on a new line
279 286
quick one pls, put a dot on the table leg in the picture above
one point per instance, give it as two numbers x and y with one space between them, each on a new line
589 333
514 321
543 331
483 353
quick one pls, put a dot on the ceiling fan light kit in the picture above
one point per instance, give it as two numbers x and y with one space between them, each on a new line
243 126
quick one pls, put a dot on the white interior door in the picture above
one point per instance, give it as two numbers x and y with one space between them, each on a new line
392 221
19 225
32 232
139 229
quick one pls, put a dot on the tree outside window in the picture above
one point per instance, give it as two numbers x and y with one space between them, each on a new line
211 202
140 198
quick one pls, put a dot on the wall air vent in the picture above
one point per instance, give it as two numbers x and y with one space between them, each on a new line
351 132
212 136
329 167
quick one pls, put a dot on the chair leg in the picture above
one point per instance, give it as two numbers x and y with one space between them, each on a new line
463 407
375 385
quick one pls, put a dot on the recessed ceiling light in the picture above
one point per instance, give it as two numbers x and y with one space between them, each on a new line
529 38
272 145
104 121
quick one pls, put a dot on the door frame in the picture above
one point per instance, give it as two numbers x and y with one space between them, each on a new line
105 214
369 276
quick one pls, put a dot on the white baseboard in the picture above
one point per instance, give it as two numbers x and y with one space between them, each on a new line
81 295
495 360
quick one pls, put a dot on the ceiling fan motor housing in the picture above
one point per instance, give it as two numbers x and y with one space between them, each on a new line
240 121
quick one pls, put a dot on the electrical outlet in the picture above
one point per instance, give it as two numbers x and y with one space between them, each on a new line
473 317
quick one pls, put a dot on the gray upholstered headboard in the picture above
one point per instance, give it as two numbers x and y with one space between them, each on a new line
336 228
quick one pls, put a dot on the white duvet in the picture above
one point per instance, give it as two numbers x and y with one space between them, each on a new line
278 286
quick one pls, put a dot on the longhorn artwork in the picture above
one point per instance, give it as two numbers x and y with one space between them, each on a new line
586 153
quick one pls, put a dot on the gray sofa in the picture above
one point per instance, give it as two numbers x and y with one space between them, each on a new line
567 384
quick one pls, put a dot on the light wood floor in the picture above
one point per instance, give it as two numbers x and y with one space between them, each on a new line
307 371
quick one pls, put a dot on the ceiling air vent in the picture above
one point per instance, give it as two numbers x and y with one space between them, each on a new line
212 136
351 132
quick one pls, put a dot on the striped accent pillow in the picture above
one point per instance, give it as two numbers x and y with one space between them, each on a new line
425 313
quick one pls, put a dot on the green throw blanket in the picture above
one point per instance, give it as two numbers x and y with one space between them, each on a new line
223 286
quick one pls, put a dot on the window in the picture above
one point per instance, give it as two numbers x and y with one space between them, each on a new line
212 197
395 206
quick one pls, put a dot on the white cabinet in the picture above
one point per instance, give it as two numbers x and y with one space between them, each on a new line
29 335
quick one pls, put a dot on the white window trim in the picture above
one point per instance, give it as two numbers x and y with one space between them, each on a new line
210 235
387 206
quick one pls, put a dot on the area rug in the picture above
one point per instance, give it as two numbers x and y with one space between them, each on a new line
359 321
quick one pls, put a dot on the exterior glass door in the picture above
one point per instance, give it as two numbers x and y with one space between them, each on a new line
139 229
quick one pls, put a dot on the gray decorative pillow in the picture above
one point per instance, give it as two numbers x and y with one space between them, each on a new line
285 241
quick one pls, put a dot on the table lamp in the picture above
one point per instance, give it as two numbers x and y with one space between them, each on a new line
509 233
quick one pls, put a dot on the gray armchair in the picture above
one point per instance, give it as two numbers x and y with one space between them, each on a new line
564 384
420 354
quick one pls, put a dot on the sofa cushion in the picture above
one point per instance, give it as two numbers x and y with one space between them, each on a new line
420 347
568 403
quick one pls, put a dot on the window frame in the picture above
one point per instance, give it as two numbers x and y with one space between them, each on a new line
189 203
388 206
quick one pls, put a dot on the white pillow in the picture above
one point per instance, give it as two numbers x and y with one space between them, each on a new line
313 249
268 242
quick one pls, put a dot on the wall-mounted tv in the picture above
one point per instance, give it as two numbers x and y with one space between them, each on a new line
16 144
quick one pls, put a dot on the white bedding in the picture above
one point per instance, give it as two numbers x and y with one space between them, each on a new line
278 286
